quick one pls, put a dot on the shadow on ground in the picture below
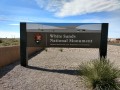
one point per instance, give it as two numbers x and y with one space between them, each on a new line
8 68
64 71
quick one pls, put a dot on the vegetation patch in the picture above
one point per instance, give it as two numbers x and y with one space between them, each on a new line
46 49
61 49
9 42
1 41
100 74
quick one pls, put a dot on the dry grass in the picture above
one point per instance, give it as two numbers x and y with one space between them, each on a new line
9 41
100 74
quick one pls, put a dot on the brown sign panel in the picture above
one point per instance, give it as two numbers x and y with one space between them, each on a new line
74 35
61 39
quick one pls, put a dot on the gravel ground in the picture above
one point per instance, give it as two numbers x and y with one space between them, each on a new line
52 70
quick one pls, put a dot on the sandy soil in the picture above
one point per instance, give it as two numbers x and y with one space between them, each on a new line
52 70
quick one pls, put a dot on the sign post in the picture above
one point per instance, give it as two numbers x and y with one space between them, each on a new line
23 45
103 41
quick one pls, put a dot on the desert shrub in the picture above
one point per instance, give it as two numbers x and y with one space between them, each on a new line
61 49
1 41
10 42
46 49
14 40
15 43
6 44
100 74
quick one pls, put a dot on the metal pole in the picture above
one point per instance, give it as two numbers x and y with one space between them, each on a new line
103 42
23 45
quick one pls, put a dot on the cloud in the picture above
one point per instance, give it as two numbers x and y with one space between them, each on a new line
9 34
79 7
64 8
51 5
14 24
15 18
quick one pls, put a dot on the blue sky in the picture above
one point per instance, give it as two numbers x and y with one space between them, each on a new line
12 12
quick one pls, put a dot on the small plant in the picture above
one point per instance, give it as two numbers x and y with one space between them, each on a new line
15 43
6 44
100 74
13 40
1 41
61 49
46 49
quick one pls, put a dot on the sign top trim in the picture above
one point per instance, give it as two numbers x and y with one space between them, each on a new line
72 27
64 31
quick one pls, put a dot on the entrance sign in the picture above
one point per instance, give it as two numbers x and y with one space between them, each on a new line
67 35
58 39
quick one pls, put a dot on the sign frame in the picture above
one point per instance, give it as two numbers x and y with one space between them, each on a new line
23 43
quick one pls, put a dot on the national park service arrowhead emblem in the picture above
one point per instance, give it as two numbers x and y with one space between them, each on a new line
37 38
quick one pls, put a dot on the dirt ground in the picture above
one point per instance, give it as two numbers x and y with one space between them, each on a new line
52 70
